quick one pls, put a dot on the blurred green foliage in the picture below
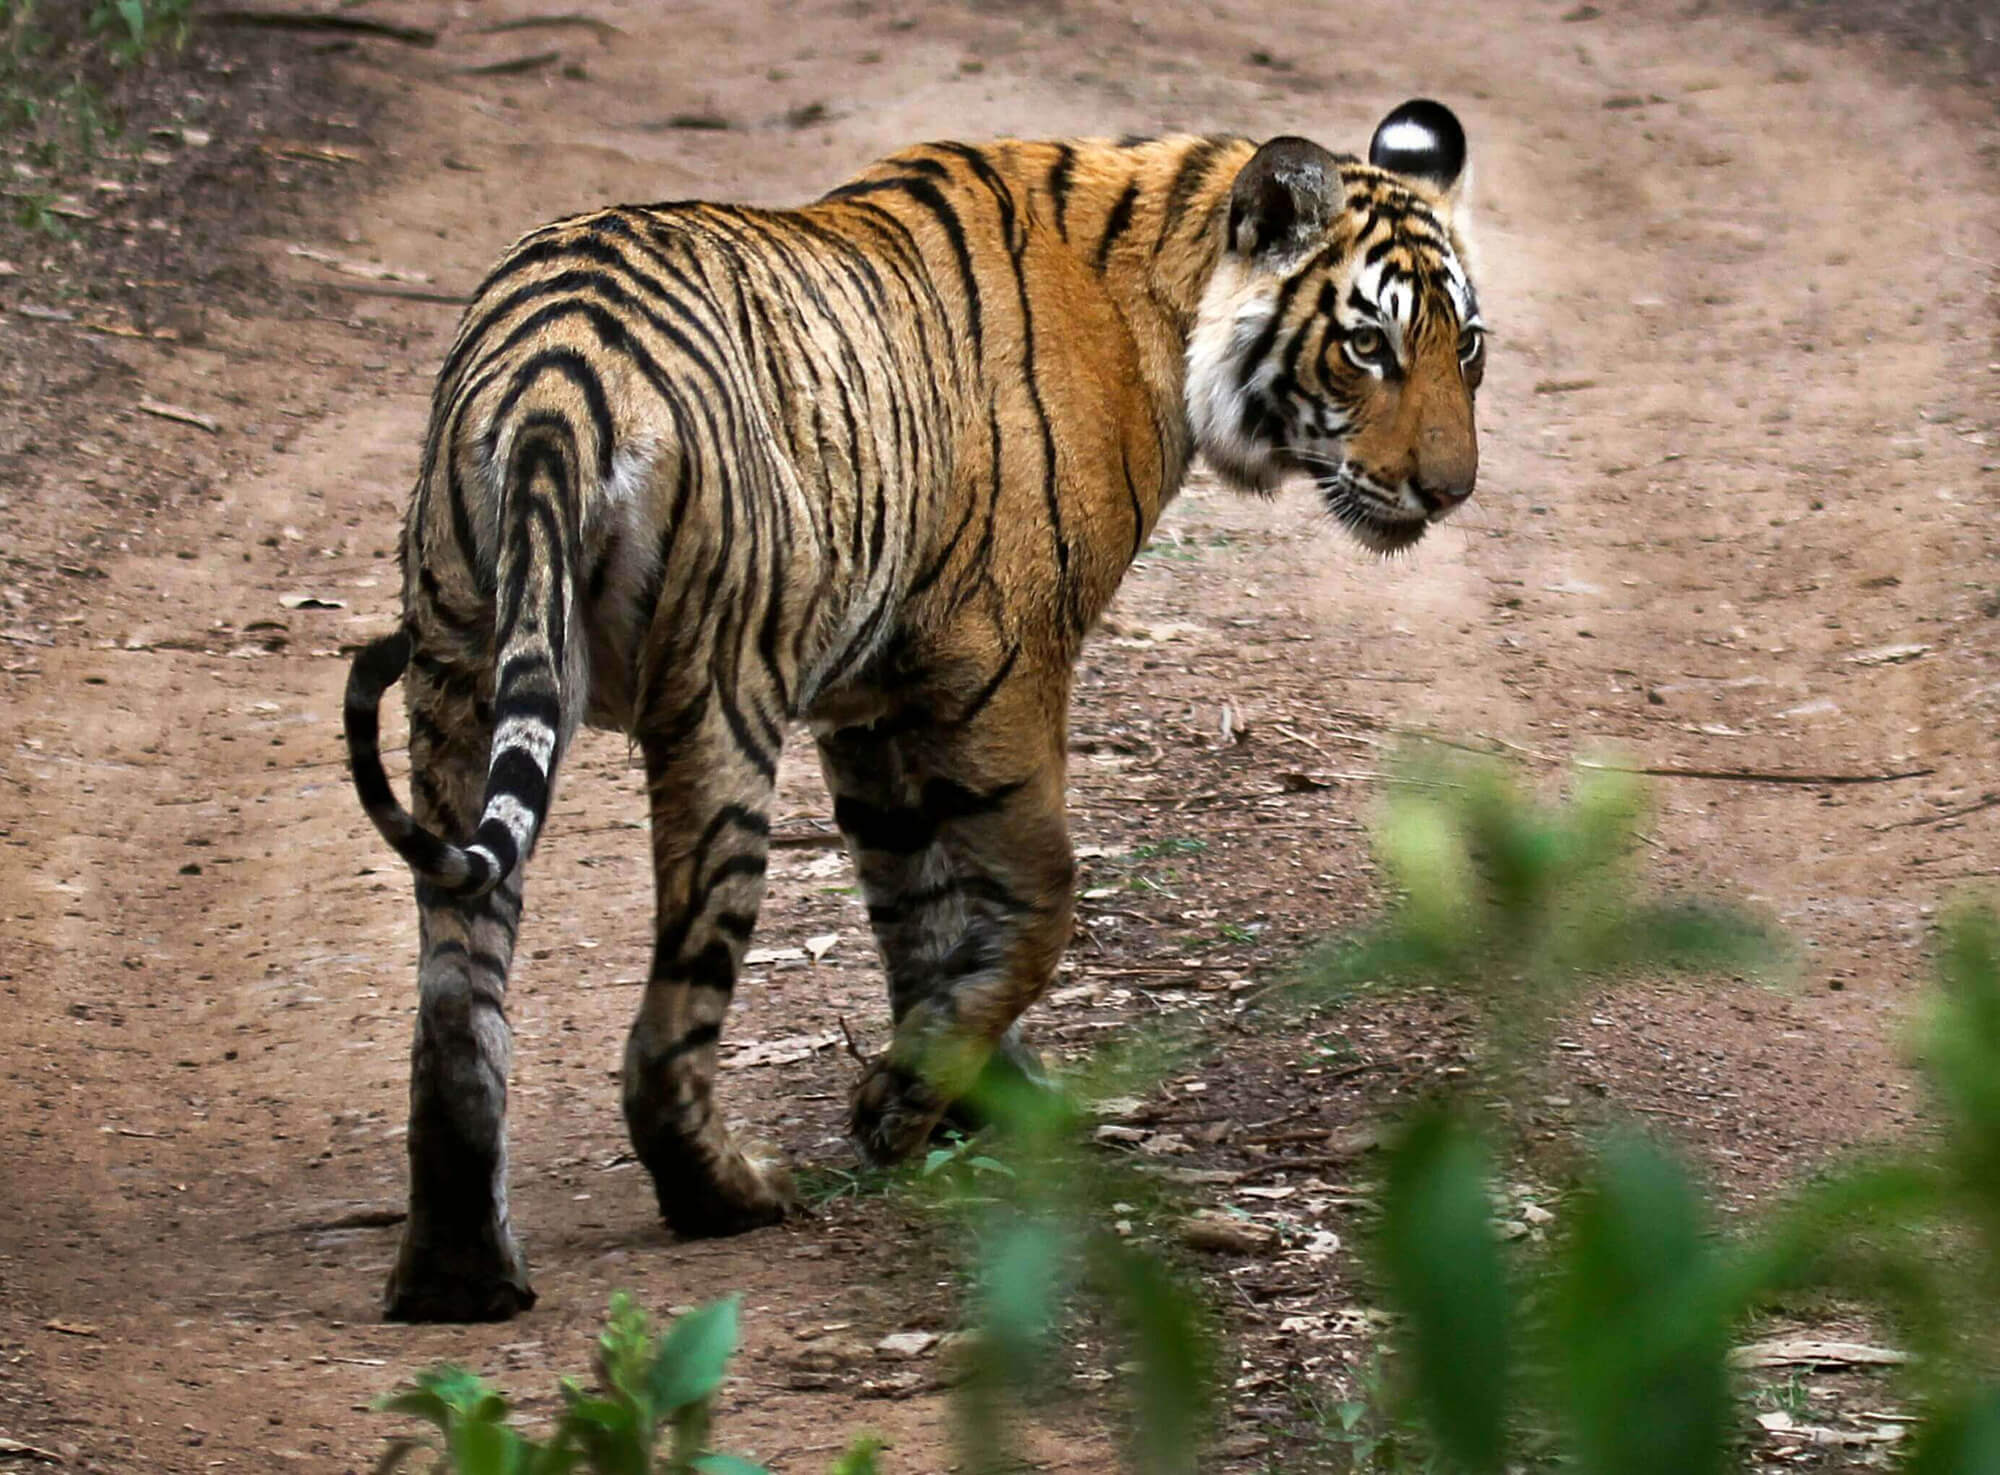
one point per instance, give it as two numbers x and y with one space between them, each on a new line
1608 1351
1521 905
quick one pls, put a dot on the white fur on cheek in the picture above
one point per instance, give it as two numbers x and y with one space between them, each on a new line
1234 310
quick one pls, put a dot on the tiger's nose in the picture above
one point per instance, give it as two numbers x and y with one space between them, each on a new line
1447 468
1439 500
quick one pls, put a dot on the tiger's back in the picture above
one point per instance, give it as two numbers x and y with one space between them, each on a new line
695 471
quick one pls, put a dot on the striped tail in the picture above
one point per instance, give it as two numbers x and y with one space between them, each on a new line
531 723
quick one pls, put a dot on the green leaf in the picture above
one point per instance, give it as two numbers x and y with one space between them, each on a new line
439 1393
558 1457
860 1456
1642 1321
133 12
625 1349
1172 1386
1961 1439
714 1464
936 1158
1446 1276
398 1451
608 1433
418 1403
1961 1055
1021 1285
694 1355
482 1448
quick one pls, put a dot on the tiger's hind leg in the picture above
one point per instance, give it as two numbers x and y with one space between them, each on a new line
960 839
710 794
458 1260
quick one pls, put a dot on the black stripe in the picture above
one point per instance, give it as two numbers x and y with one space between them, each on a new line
923 192
1268 335
1132 496
946 800
713 967
1059 186
901 907
1187 181
514 771
1117 223
568 364
986 693
697 1037
536 706
897 830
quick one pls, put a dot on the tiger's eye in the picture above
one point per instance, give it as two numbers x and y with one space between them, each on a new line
1367 343
1470 342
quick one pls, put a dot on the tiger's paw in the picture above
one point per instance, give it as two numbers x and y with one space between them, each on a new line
893 1112
1013 1070
488 1282
746 1191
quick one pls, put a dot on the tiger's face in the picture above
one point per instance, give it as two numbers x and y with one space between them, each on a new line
1340 337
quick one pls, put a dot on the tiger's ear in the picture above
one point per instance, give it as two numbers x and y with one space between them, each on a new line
1423 140
1283 198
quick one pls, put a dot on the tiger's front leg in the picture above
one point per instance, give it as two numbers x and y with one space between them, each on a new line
959 836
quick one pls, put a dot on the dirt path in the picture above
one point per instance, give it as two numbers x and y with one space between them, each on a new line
1740 510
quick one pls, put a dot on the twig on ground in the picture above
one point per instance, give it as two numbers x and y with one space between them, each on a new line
309 20
357 1219
807 840
166 411
514 65
1310 1162
602 29
406 294
11 1447
1138 969
1984 801
1756 776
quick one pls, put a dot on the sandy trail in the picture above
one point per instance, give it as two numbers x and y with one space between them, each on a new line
1739 511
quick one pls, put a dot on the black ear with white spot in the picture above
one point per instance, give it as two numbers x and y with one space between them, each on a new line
1421 139
1283 198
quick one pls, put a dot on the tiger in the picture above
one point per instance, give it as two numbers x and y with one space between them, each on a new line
875 464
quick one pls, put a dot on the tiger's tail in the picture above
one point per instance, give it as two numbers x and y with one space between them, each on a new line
537 693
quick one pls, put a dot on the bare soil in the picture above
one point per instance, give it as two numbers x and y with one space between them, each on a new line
1740 512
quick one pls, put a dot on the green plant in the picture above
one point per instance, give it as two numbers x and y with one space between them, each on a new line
131 30
34 211
1789 1397
1056 1233
649 1413
1521 906
1611 1345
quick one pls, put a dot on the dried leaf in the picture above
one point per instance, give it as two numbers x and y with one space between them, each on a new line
1218 1233
906 1344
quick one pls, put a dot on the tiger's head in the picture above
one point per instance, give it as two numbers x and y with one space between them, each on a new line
1339 336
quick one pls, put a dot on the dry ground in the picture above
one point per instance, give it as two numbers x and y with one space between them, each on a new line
1740 510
